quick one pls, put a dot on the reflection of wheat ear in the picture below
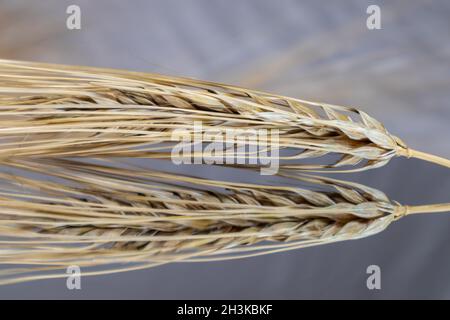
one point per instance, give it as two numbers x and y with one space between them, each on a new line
57 110
94 215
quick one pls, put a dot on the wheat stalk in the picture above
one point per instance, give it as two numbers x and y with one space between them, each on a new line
58 110
55 213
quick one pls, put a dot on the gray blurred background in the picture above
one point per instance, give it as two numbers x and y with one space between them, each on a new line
315 50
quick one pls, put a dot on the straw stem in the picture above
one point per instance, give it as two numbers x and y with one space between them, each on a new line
410 153
429 208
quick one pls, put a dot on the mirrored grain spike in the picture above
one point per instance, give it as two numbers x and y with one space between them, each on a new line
104 218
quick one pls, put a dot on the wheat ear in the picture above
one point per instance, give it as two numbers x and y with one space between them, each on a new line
55 213
58 110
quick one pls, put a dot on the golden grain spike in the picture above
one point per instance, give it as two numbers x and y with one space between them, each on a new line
58 110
